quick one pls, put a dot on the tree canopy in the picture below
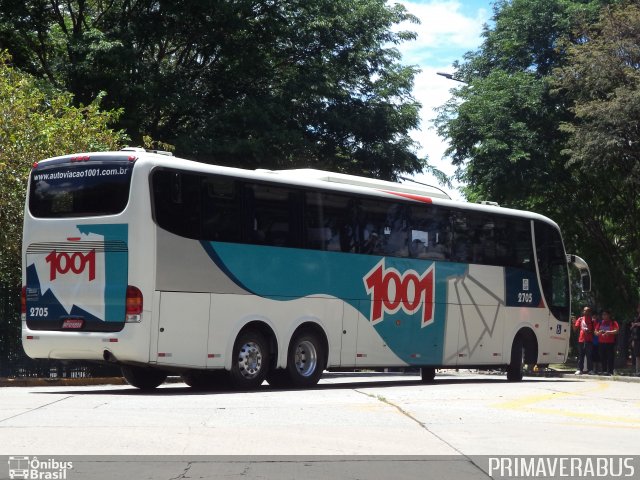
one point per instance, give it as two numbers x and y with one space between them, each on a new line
548 121
601 81
247 83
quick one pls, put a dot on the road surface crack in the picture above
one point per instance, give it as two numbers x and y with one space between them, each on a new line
184 472
422 425
37 408
385 400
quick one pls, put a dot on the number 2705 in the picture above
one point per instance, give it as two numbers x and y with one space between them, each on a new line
525 297
38 312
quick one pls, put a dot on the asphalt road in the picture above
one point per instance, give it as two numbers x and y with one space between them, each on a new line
460 416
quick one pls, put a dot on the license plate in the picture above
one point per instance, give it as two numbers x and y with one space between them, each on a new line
72 324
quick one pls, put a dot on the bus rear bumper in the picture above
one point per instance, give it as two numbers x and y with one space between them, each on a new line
129 345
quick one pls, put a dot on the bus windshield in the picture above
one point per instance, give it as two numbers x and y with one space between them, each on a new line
88 189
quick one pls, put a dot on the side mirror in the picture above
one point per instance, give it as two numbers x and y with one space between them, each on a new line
583 267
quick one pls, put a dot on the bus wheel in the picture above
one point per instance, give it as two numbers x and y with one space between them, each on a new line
428 374
250 360
142 377
305 360
515 370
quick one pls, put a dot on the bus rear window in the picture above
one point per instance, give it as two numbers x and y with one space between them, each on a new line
86 190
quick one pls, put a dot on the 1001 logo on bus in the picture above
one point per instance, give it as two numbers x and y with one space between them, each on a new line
391 291
62 263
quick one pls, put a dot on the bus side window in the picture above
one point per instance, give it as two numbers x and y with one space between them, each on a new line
430 233
373 227
334 209
396 230
462 241
176 198
553 269
273 215
363 226
485 248
318 233
220 210
522 255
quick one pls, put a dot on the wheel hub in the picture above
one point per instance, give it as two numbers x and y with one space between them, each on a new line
306 358
250 360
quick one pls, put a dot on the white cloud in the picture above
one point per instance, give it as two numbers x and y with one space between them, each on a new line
443 28
444 35
432 91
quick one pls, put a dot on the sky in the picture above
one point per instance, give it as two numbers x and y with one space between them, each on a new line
448 29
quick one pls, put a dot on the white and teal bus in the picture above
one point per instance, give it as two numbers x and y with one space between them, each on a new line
168 266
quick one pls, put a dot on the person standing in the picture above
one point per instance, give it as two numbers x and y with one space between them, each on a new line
595 350
635 339
607 331
584 325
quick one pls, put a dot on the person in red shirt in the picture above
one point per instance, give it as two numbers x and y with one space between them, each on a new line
607 331
585 326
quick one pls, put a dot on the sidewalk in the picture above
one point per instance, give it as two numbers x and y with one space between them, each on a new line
567 370
57 382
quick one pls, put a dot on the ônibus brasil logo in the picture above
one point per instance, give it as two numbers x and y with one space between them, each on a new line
391 291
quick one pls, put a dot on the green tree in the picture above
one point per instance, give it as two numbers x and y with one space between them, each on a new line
601 81
37 123
247 83
514 132
503 125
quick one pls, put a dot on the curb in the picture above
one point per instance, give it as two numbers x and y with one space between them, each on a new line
70 382
612 378
57 382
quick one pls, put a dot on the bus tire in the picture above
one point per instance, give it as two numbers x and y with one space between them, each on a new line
143 378
515 370
428 374
305 359
250 360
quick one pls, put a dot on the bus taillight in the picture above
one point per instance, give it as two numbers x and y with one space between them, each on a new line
134 305
23 304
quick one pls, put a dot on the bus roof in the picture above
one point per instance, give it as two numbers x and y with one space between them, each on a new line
320 179
345 179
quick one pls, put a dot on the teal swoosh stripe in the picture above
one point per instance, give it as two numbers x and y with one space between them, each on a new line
285 273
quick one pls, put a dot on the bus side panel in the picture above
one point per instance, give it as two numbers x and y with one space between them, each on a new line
231 313
558 340
213 326
405 311
183 329
395 308
452 325
348 348
376 350
182 265
480 301
401 302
